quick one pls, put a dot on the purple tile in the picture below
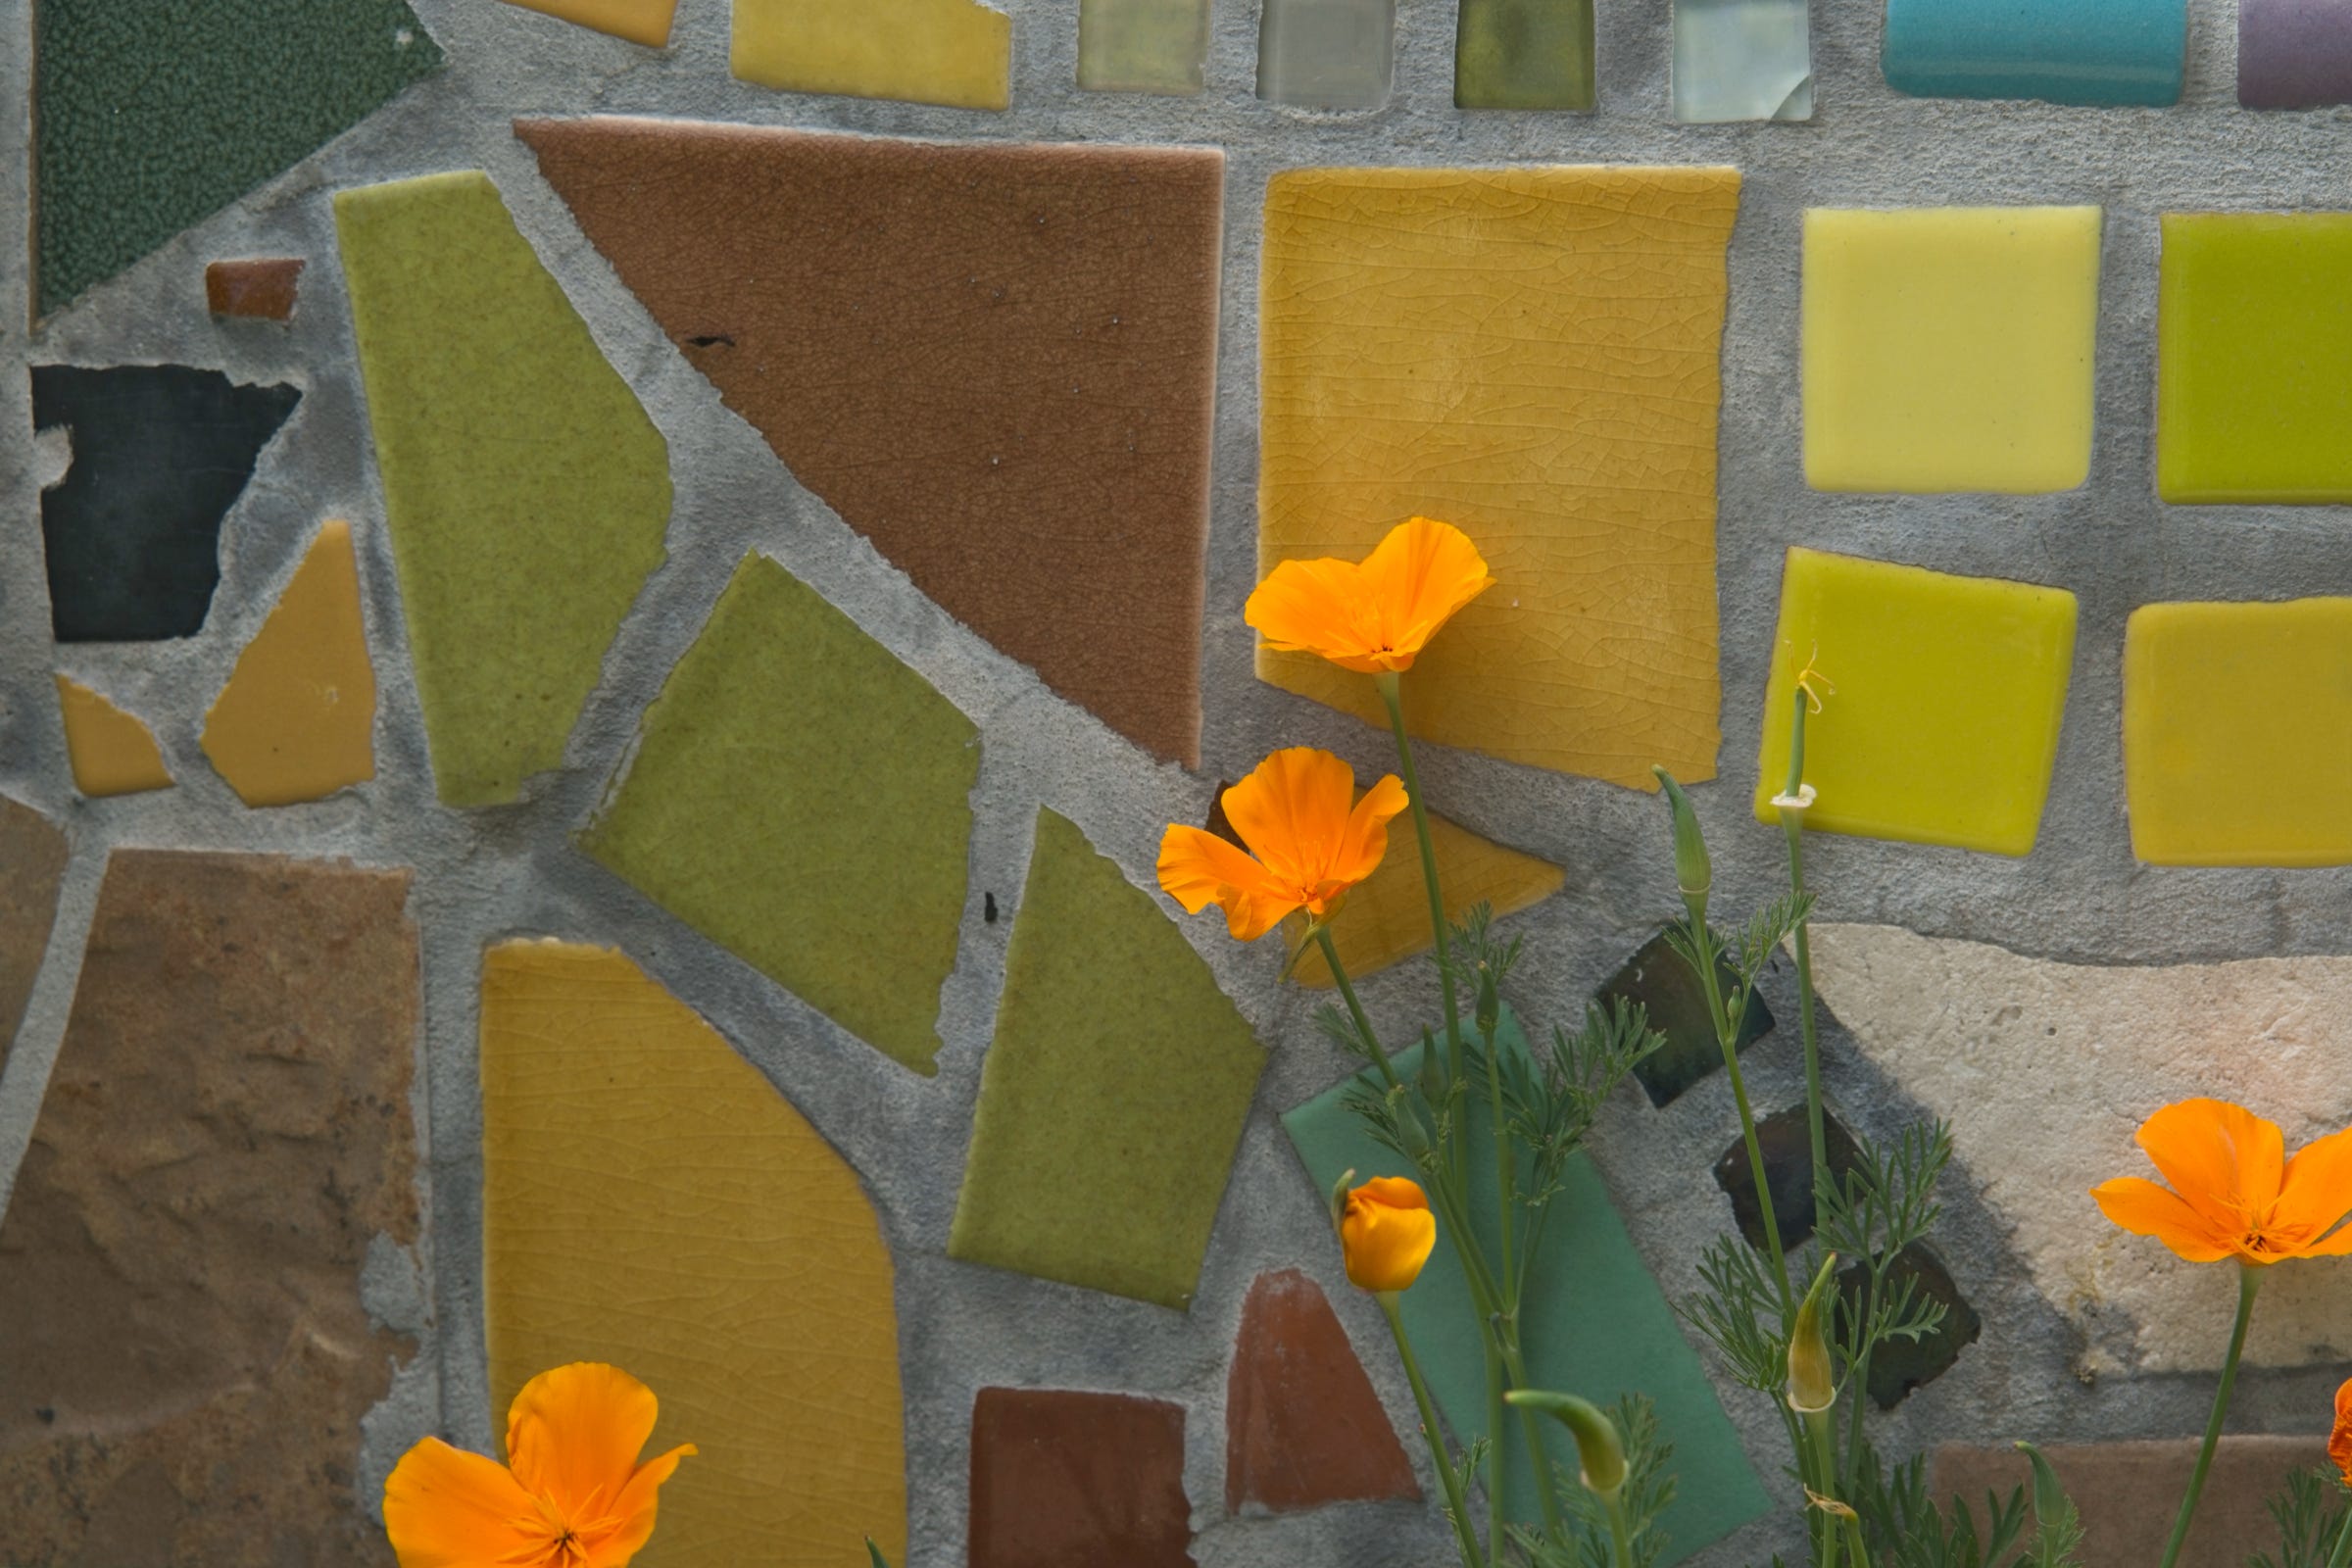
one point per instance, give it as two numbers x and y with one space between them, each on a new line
2295 54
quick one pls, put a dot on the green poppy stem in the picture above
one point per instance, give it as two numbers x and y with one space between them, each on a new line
2342 1556
1455 1506
2249 1281
1355 1009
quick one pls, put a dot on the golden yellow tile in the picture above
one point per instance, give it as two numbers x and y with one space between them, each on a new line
649 1200
297 720
1386 918
1533 356
112 752
2215 770
953 52
645 22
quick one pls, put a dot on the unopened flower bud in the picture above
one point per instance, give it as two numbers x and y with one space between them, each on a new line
1694 872
1386 1233
1489 1005
1597 1444
1812 1373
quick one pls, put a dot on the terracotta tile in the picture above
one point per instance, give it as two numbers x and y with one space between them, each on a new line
526 493
264 288
1327 54
112 752
297 720
1524 54
1017 349
645 22
1787 1142
1067 1480
953 52
32 863
1386 918
132 532
735 1263
1302 1426
1675 1004
185 1356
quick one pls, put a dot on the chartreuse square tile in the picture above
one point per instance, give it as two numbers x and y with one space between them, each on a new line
2254 357
2097 53
953 52
1523 54
1948 691
1607 1328
2234 718
1950 348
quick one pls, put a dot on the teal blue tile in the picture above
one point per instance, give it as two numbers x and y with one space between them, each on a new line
2100 53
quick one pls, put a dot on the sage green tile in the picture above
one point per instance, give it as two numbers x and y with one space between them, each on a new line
1142 45
525 490
803 799
1327 54
1113 1095
1524 54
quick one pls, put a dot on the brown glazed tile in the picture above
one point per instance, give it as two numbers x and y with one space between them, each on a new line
1302 1426
263 288
185 1359
33 861
1068 1480
2129 1494
997 363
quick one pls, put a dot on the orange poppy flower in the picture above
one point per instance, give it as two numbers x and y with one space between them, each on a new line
1310 840
2234 1192
2339 1445
1386 1233
570 1495
1375 616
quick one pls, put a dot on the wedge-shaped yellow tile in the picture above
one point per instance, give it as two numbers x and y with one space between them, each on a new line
1943 726
2234 718
649 1200
953 52
1386 917
645 22
1950 348
1530 354
111 751
297 720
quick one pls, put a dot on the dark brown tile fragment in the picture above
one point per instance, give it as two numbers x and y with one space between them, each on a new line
261 289
1899 1366
1302 1426
1069 1480
1666 987
33 861
1787 1142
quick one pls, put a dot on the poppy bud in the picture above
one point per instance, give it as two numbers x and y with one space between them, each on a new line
1694 872
1489 1005
1812 1374
1597 1443
1386 1233
2050 1503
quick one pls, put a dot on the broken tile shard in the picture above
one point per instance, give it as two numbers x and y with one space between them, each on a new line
1327 54
1531 355
1017 350
1386 917
132 532
225 1135
1738 60
953 52
297 720
1658 981
740 1269
1524 54
261 289
1302 1426
112 752
32 865
1062 1478
1143 46
803 799
1901 1366
645 22
1786 1141
525 491
1104 1136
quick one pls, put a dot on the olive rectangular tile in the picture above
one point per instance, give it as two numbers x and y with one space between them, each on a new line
1524 54
953 52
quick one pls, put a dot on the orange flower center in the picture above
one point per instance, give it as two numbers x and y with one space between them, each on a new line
556 1540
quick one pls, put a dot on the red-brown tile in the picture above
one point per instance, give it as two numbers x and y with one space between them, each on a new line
1302 1426
263 288
1069 1480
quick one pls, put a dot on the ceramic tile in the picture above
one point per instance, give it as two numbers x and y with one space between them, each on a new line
261 289
2251 344
112 752
143 130
739 1267
1900 1369
1327 54
1786 1141
1626 1336
32 864
297 720
1670 997
2097 53
1742 59
1103 1139
2295 54
225 1144
1072 1480
803 799
1523 54
1386 918
1018 351
525 491
1143 46
1950 348
1302 1427
1531 355
161 454
1949 692
953 52
645 22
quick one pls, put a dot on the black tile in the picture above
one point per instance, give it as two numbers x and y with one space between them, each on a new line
1788 1146
1664 983
1900 1365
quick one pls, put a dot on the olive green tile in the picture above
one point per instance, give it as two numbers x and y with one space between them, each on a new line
1524 54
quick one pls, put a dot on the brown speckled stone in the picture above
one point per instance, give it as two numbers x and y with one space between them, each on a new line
1067 1480
185 1359
1302 1426
32 861
263 288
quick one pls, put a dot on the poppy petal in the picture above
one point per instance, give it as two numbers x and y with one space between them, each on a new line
1419 577
447 1508
1366 840
2339 1445
2225 1161
1316 607
2337 1246
1291 811
2146 1209
1397 1191
575 1433
1198 868
2317 1193
635 1508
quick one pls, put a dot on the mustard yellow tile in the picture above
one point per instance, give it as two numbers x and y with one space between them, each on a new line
1950 348
1532 355
2234 718
1943 727
1385 919
111 751
645 22
649 1199
297 720
954 52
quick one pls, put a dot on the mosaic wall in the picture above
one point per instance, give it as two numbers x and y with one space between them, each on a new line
602 607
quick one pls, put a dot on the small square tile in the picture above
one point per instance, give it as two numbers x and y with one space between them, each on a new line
2254 357
2295 54
1327 54
2097 53
261 289
1524 54
1786 1141
1069 1479
1738 60
1901 1367
1156 46
1662 984
1950 348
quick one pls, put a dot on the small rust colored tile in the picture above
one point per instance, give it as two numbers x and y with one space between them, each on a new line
33 861
1302 1426
184 1358
1069 1480
262 289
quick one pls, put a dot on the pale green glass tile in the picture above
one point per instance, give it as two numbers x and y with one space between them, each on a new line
1142 45
1327 54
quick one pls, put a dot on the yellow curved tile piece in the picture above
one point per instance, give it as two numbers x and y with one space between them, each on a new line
1386 918
953 52
649 1200
112 752
297 720
645 22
